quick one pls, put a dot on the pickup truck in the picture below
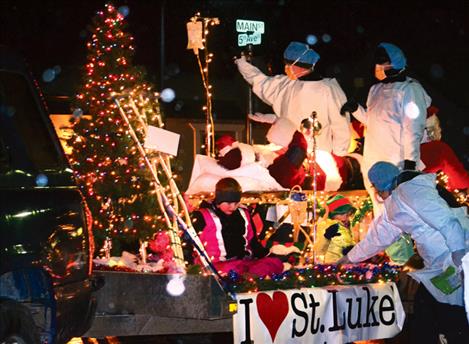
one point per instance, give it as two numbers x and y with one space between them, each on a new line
46 243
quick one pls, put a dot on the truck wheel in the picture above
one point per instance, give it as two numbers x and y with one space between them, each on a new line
16 324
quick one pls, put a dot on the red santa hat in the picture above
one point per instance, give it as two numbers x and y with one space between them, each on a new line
223 143
432 110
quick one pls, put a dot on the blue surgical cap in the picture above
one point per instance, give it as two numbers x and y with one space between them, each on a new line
383 175
300 54
398 60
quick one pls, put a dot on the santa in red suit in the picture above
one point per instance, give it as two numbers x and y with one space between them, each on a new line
439 156
286 168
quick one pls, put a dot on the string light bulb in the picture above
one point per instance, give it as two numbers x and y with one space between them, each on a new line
198 41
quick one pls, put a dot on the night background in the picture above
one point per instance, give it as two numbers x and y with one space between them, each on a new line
52 36
434 38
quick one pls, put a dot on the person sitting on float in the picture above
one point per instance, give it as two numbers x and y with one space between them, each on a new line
439 156
334 237
229 235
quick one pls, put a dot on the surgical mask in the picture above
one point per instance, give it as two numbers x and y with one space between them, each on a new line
379 72
294 72
289 72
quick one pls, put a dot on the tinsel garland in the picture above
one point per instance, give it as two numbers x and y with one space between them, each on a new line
319 275
459 195
150 267
361 212
316 276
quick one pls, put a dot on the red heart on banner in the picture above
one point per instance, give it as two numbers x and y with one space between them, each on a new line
272 311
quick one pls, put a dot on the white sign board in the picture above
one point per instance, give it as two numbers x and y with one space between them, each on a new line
162 140
250 32
333 314
250 26
245 39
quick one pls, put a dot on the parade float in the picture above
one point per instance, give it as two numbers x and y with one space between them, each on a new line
123 157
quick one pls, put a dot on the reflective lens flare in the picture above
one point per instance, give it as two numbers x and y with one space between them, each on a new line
48 75
411 110
175 286
167 95
326 38
311 39
41 180
77 112
124 10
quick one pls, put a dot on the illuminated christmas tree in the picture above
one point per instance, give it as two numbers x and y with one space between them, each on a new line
117 185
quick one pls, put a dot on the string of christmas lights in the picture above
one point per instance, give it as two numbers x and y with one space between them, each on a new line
460 196
315 276
111 173
172 226
198 31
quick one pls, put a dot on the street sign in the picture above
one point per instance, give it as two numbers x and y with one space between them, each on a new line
249 26
245 39
250 32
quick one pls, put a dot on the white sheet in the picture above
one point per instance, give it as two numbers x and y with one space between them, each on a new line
252 177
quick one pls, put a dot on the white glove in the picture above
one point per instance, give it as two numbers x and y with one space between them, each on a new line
241 58
282 250
263 117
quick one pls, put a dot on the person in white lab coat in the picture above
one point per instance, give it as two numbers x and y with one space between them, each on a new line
395 115
296 95
413 205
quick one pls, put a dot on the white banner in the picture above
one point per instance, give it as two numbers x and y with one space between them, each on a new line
333 314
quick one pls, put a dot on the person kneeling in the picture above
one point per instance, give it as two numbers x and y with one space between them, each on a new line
414 205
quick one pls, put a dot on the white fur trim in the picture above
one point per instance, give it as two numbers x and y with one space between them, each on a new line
281 132
222 152
267 153
248 155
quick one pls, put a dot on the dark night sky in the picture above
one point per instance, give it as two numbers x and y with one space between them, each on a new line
435 39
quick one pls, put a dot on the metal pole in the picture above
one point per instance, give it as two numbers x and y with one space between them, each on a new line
315 194
248 121
162 44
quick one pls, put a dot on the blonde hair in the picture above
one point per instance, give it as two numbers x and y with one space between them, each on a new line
432 129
